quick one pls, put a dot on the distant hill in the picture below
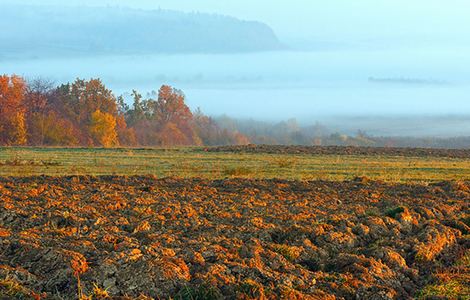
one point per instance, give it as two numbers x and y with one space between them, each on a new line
50 30
407 81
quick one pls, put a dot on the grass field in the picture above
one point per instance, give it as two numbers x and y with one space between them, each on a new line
195 162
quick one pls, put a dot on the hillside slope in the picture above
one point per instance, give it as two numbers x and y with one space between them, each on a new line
86 30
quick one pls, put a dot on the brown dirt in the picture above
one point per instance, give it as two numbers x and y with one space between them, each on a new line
343 150
237 238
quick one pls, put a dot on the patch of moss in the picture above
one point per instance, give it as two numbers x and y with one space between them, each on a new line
393 212
250 289
200 292
453 285
453 289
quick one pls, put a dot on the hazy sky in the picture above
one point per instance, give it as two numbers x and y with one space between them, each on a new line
335 20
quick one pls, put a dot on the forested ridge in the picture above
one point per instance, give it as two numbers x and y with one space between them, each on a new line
53 30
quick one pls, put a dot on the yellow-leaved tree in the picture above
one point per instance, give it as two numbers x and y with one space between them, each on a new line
103 129
12 111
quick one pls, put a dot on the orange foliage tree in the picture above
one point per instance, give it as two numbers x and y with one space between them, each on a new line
126 135
170 106
51 130
171 113
83 98
77 102
12 111
171 135
103 129
39 120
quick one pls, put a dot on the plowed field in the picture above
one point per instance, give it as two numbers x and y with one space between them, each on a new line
116 236
339 150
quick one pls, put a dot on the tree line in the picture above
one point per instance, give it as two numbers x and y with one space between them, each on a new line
86 113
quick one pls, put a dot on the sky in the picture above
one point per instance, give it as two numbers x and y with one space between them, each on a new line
417 21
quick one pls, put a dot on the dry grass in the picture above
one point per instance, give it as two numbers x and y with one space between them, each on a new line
12 289
195 162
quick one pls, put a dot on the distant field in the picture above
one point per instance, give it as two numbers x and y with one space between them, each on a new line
196 162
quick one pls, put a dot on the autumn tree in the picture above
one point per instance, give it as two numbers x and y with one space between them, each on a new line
102 129
211 134
170 108
206 128
133 122
78 101
86 97
12 111
156 120
38 116
45 125
51 130
171 135
126 135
